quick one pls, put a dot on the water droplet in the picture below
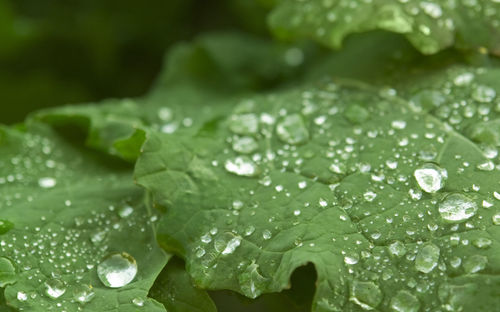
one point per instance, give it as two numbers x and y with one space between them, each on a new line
138 302
457 208
125 211
242 166
232 245
483 94
427 258
475 263
83 293
404 301
351 258
245 145
496 218
482 242
244 124
47 182
266 234
97 237
22 296
199 252
117 270
430 177
397 249
249 230
55 288
292 130
366 294
356 114
432 9
486 166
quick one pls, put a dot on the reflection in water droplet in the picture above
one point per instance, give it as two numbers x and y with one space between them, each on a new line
427 258
457 208
117 270
430 177
54 288
232 245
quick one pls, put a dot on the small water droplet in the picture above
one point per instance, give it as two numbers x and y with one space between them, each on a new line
242 166
55 288
47 182
496 218
138 302
482 242
266 234
117 270
351 258
22 296
430 177
97 237
427 258
125 211
457 208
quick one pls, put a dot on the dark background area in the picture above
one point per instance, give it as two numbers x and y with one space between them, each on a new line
73 51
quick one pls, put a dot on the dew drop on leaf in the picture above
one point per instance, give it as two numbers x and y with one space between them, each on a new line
483 94
22 296
244 124
242 166
292 130
427 258
366 294
496 218
404 301
430 177
457 208
245 145
47 182
125 211
55 288
117 270
482 242
139 302
397 249
232 245
475 263
83 293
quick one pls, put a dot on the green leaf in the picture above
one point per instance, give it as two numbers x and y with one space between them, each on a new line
175 290
386 202
71 208
430 26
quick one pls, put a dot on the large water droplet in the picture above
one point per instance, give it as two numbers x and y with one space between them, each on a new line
22 296
430 177
292 130
117 270
366 294
405 302
55 288
427 258
457 208
242 166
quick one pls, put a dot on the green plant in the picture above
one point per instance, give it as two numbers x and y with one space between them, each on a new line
252 158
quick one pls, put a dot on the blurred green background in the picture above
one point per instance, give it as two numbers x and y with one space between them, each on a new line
60 52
